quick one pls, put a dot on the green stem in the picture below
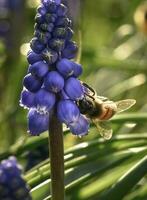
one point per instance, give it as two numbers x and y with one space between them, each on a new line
56 150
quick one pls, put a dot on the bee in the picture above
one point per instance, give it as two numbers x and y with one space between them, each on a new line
100 109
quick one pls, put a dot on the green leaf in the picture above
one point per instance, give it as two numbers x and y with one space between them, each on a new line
127 181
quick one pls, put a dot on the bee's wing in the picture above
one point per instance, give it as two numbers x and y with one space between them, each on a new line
104 128
124 104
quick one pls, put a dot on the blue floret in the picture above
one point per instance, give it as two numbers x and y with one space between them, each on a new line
12 184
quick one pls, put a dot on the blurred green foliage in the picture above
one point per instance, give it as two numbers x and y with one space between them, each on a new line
114 61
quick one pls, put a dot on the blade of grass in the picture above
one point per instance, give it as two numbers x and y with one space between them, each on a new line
100 184
140 193
127 181
42 173
97 170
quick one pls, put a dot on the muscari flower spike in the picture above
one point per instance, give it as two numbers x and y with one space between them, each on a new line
12 184
52 79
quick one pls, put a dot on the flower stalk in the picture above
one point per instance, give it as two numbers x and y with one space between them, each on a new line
56 150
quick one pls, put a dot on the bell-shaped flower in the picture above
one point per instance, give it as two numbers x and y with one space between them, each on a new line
63 21
36 45
65 67
39 19
42 10
33 57
39 69
61 10
56 44
60 32
80 127
27 99
67 111
54 82
31 83
74 89
46 27
42 37
70 50
44 100
49 56
50 18
37 122
77 69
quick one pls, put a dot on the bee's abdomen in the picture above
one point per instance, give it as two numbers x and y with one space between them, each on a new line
108 111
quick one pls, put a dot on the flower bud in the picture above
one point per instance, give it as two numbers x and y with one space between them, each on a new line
39 19
61 10
74 89
27 99
56 44
39 69
49 56
80 127
50 18
51 6
67 111
37 122
63 21
42 36
36 46
44 100
54 82
65 67
31 83
60 32
33 57
47 27
70 50
42 10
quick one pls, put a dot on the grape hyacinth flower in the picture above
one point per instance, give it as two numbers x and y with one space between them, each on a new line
52 80
12 184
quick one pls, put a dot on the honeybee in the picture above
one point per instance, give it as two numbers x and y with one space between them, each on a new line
100 109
